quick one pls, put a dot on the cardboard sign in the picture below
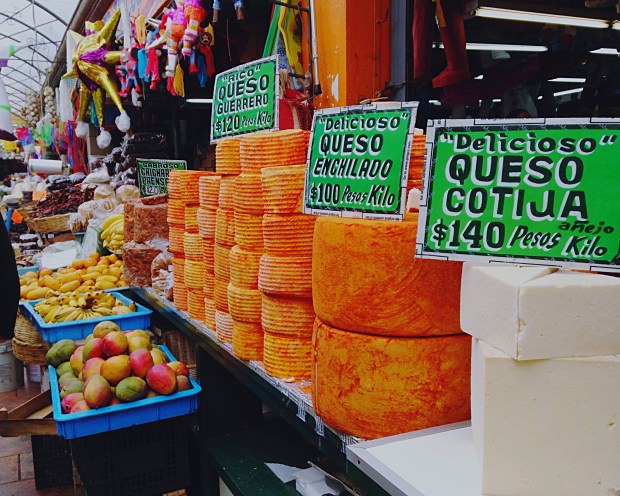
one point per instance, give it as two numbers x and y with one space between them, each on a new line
153 175
245 99
535 192
358 161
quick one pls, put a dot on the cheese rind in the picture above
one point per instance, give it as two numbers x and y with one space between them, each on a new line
546 427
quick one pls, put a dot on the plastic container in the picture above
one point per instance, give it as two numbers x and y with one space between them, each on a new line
114 417
11 369
79 329
23 270
51 457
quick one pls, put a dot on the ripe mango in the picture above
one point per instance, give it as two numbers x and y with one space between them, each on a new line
37 293
104 285
97 392
131 389
69 286
72 276
91 276
45 272
51 282
112 279
60 352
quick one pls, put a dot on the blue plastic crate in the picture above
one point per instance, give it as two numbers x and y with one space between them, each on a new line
79 329
24 270
110 418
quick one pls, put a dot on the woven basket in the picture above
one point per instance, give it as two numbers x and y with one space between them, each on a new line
183 350
28 345
45 225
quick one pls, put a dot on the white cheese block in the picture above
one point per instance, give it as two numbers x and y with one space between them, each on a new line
535 313
546 427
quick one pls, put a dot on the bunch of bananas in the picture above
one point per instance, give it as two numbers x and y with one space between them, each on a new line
112 233
67 307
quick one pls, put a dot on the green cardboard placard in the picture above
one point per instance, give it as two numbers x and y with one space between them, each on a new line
358 161
534 191
153 175
245 99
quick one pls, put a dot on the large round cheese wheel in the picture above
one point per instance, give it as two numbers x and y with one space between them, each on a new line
223 326
191 218
209 188
244 304
178 270
194 274
176 212
290 276
225 227
247 340
179 296
285 147
227 157
209 285
175 239
192 246
244 268
206 218
174 185
283 188
208 256
227 188
288 234
249 231
287 357
220 294
210 313
248 195
376 386
365 278
287 315
186 182
196 304
222 261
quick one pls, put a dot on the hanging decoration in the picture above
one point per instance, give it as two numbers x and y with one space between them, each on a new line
175 30
32 109
6 124
239 8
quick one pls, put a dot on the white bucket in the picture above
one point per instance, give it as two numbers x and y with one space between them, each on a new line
11 369
33 372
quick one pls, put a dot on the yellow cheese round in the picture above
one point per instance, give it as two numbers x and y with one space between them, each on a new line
248 196
225 227
285 275
283 188
244 268
209 284
191 219
223 326
196 304
244 304
247 340
376 386
366 278
227 188
209 191
192 246
287 357
208 256
206 218
288 316
220 294
249 231
222 261
288 234
227 156
285 147
194 274
210 313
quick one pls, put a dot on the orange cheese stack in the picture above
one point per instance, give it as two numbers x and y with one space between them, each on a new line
227 188
220 294
208 256
288 316
225 227
287 357
210 313
285 147
193 247
209 284
222 261
244 304
290 276
227 156
416 160
414 183
223 326
175 239
206 222
283 188
180 296
194 275
391 385
365 278
190 185
176 212
288 234
244 268
191 219
178 270
209 191
249 231
196 304
248 196
247 340
174 185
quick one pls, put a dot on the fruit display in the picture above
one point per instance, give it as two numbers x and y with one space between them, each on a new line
113 367
92 273
69 307
112 233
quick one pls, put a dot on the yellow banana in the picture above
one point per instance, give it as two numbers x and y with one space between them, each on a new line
110 220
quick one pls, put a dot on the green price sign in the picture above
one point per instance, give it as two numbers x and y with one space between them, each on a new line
153 175
245 99
540 192
358 161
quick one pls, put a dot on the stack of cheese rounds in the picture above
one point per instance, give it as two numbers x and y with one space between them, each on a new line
227 157
180 289
416 162
259 150
283 188
194 275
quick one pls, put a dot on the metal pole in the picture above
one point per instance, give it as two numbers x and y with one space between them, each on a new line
315 51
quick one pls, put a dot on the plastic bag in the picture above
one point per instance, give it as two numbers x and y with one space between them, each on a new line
97 177
104 192
127 192
92 240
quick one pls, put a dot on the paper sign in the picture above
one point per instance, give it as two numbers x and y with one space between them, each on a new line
245 99
358 161
535 191
153 175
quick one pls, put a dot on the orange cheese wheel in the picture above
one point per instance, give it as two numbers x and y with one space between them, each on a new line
191 219
376 386
416 160
225 227
210 313
365 278
244 304
288 316
220 294
209 285
414 183
194 275
174 186
176 212
222 261
223 326
285 147
193 246
248 196
283 188
227 188
178 270
244 268
208 256
209 191
287 357
247 340
180 296
175 239
249 231
285 275
196 304
190 185
227 156
206 222
288 235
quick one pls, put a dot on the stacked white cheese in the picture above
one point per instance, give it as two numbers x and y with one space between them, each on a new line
545 379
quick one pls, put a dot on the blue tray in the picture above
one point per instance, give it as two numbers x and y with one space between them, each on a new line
115 417
79 329
24 270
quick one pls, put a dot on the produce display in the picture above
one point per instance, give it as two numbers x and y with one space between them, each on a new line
92 273
72 306
112 233
113 367
62 201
